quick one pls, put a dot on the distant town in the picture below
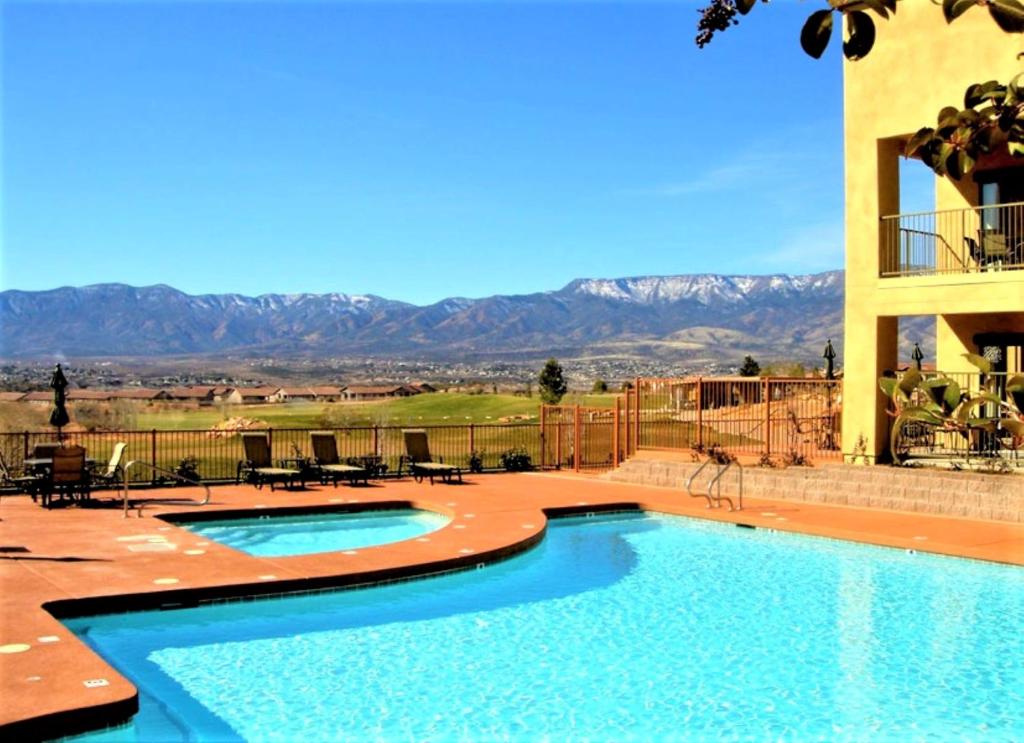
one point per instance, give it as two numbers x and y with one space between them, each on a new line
282 380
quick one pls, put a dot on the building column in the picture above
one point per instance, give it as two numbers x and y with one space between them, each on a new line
871 350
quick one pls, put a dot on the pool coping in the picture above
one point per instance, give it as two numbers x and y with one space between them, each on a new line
497 519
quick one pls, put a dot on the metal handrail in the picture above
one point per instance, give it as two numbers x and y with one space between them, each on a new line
716 480
977 208
689 484
168 473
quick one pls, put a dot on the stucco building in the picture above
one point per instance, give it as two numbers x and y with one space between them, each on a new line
963 261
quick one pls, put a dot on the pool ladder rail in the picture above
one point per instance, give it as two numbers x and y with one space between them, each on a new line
167 473
714 495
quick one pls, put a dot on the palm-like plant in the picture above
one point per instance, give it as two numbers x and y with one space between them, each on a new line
941 405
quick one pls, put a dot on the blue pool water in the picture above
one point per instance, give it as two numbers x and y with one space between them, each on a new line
278 536
616 628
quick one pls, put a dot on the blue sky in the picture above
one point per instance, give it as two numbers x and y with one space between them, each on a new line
411 150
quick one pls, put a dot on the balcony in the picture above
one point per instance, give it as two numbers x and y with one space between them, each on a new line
953 241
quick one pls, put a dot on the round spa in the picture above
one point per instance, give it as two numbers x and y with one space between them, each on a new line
269 535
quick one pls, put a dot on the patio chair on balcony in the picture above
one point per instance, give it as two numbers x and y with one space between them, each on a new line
994 249
69 477
114 470
974 251
258 468
421 464
329 466
25 483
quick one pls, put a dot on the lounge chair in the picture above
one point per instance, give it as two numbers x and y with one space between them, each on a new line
112 474
258 468
26 483
421 464
329 466
68 475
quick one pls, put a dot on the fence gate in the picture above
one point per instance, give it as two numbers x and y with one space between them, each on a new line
582 438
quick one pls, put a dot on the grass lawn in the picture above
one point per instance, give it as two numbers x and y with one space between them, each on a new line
438 408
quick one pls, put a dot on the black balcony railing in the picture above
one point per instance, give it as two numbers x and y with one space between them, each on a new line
953 241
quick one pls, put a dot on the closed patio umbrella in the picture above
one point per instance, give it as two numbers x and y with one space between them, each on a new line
59 415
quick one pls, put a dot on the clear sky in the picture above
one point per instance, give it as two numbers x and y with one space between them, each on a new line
412 150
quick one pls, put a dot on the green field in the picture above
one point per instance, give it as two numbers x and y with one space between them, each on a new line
431 409
439 408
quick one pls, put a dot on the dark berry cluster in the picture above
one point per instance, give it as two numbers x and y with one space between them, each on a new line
717 16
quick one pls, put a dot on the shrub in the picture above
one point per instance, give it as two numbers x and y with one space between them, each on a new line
516 460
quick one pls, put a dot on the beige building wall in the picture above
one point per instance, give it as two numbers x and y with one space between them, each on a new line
919 65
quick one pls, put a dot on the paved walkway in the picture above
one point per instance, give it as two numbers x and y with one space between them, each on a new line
96 557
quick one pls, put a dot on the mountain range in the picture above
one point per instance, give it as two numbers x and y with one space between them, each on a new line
701 318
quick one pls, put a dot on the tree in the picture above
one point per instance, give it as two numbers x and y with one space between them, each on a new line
600 386
552 382
992 118
750 368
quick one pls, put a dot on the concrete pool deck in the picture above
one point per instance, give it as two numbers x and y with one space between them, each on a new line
73 561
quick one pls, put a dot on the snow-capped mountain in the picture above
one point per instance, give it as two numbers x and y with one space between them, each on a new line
706 315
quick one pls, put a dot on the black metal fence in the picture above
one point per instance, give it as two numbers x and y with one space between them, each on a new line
217 453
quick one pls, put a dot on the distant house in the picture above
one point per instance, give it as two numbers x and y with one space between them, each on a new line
11 396
77 395
256 395
377 392
142 394
327 393
298 394
423 387
40 397
221 393
200 394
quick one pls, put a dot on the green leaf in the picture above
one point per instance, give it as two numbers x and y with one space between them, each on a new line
967 117
1017 380
923 415
963 412
910 379
1013 426
861 30
744 6
888 385
953 9
936 388
952 164
919 140
952 397
1016 148
816 33
1008 14
947 116
876 5
1017 396
965 163
983 364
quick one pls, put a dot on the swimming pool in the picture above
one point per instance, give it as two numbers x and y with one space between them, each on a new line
279 536
619 627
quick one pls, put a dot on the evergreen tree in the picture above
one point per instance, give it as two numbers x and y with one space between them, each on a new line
600 386
750 368
552 382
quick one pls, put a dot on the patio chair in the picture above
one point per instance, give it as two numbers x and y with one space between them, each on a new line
68 475
258 468
329 466
45 451
421 464
26 483
112 474
993 245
